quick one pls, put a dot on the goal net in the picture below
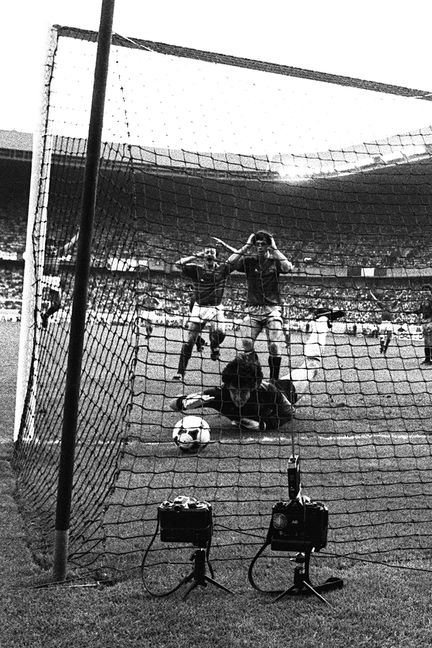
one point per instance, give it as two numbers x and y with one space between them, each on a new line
196 146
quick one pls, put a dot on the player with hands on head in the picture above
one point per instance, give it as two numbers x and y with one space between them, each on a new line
252 403
209 280
264 303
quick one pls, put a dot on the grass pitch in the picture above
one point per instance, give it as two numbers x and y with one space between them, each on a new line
378 605
362 433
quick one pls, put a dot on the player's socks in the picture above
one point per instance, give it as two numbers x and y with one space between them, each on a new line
427 360
274 365
216 339
185 354
215 353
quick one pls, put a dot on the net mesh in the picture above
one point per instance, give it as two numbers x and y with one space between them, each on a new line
199 145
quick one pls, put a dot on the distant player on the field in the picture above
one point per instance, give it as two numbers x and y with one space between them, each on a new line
385 326
209 279
150 304
264 303
51 280
248 400
425 312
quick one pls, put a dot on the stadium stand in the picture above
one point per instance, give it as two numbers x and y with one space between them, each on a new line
337 247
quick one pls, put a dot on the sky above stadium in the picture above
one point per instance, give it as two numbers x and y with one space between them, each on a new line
386 41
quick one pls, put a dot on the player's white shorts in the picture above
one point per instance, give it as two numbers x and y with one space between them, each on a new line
52 282
263 315
204 314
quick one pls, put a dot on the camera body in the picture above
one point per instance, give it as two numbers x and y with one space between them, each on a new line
185 519
298 525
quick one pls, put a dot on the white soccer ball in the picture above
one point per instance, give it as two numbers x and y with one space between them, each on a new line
191 433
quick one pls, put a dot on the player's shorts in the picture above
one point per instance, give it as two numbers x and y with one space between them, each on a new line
263 315
385 329
260 317
427 333
51 282
204 314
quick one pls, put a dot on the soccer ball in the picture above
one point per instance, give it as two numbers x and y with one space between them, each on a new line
191 433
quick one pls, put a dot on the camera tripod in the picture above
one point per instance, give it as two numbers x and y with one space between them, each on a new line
302 584
198 575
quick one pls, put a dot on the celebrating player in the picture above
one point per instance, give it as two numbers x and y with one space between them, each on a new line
209 282
385 328
425 312
264 299
51 280
253 403
151 303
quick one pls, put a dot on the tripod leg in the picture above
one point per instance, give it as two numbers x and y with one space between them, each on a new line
214 582
290 590
189 589
317 594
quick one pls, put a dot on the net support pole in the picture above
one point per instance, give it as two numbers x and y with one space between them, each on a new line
79 305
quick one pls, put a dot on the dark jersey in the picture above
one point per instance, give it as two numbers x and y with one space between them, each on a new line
269 404
425 310
209 284
387 308
263 280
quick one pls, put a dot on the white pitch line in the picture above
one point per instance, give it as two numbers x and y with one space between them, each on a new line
266 439
337 437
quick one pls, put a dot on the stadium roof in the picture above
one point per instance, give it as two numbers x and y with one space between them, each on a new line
16 141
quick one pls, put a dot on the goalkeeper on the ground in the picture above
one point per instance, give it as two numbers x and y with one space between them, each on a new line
252 403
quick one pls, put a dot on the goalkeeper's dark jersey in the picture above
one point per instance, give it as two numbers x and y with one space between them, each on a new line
263 280
269 404
209 285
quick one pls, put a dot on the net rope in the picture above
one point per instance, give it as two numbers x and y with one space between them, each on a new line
185 159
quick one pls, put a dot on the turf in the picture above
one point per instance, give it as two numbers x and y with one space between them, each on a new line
362 434
378 605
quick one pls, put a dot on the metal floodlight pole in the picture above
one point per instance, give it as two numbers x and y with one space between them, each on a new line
77 326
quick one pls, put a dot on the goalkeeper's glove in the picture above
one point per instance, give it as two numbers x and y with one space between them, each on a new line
195 400
252 426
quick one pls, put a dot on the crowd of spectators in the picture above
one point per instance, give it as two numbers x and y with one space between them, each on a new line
395 247
11 282
398 247
118 292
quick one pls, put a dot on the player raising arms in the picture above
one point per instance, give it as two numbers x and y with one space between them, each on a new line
385 328
425 313
51 280
263 270
209 281
253 403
